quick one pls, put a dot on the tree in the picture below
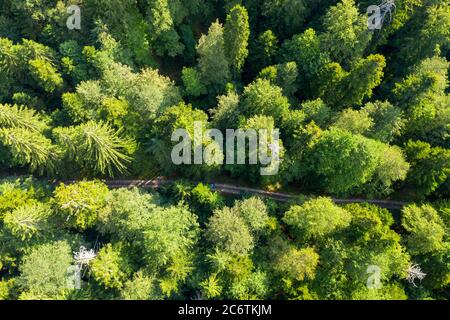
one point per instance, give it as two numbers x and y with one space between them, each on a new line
425 227
164 237
354 121
306 51
43 271
227 231
192 82
254 212
297 264
346 35
423 95
213 65
253 287
117 217
79 204
317 111
126 21
141 287
283 75
29 221
375 164
429 167
15 193
183 117
316 219
162 31
263 51
430 23
14 116
266 148
344 161
204 201
236 34
27 148
261 97
130 101
426 80
28 65
22 141
44 74
95 148
365 76
285 16
392 167
388 121
110 268
226 115
74 63
386 292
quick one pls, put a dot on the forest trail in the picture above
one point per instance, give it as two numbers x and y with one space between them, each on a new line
228 189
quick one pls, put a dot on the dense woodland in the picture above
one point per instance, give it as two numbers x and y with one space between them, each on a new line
361 113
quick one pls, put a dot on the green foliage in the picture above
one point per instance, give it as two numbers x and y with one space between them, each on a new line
361 114
181 116
297 264
389 292
426 80
212 62
346 35
28 221
254 212
14 117
44 271
163 35
29 148
305 50
430 166
192 82
253 287
316 219
317 111
45 75
263 50
388 121
344 160
236 33
110 268
354 121
263 98
95 147
425 228
283 75
204 201
430 23
267 146
285 16
79 204
141 287
227 231
226 115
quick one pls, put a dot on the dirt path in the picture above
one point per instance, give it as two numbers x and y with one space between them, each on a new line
228 189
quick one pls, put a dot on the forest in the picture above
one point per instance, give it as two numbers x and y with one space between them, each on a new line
91 92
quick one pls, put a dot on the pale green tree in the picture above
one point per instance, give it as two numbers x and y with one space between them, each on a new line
236 34
212 62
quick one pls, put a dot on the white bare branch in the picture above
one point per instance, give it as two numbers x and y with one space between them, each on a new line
414 272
